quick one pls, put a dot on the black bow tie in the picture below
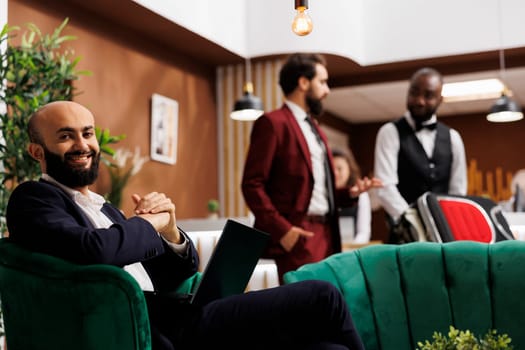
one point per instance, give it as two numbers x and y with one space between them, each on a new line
431 126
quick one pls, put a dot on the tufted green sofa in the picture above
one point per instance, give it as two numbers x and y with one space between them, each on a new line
400 294
51 304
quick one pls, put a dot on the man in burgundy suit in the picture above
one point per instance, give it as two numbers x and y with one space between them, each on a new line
288 181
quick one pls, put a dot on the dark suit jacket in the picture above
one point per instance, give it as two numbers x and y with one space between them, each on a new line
43 218
278 180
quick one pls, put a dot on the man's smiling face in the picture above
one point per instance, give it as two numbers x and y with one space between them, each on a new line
67 144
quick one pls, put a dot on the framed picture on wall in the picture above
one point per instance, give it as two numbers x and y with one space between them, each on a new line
164 128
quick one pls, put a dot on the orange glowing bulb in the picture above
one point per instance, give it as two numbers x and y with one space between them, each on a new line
302 23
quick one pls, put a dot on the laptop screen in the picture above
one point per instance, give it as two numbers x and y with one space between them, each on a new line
232 262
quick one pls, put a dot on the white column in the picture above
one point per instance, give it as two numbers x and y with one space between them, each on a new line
3 47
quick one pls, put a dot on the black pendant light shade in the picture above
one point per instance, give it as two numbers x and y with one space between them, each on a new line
248 107
505 110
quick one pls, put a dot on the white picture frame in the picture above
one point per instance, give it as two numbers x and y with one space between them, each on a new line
164 129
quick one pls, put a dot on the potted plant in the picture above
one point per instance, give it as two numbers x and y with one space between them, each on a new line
36 72
213 208
466 340
124 165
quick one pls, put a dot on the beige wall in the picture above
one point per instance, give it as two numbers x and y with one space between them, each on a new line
126 71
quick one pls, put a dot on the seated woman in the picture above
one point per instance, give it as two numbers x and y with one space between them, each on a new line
346 172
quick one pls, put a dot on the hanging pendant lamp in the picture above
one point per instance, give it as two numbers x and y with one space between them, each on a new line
249 107
504 109
302 23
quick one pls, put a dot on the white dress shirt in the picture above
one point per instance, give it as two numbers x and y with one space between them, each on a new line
363 225
91 205
357 229
319 201
385 164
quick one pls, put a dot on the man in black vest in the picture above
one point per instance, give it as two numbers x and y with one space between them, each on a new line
416 153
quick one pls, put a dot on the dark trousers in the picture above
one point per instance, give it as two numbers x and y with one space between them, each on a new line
302 315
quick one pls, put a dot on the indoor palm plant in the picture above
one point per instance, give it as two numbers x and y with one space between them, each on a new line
35 72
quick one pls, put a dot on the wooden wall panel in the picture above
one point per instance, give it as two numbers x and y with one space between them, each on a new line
126 71
234 138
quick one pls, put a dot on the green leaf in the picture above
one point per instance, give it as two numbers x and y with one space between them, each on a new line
84 72
466 340
105 139
6 29
107 150
61 27
65 38
33 28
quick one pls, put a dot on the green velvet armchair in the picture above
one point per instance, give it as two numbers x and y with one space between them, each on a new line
49 303
400 294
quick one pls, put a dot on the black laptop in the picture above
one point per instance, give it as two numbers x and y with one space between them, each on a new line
231 264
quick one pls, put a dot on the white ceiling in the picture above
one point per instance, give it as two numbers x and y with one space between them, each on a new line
366 33
386 101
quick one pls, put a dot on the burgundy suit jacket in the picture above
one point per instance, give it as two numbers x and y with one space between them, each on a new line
278 180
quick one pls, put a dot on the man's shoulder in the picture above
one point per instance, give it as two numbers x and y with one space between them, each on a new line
31 184
443 125
393 122
451 131
455 136
275 120
279 115
41 189
388 126
447 127
32 194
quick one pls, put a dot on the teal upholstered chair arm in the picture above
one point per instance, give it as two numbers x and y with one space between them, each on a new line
189 285
401 294
49 303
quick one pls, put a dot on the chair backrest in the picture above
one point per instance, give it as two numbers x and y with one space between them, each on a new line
454 217
400 294
49 303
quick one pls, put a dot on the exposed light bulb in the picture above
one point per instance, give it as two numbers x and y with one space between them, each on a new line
302 23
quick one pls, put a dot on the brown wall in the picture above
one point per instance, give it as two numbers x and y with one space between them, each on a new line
126 71
491 144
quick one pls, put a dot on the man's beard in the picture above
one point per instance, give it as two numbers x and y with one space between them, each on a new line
422 117
58 169
314 105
